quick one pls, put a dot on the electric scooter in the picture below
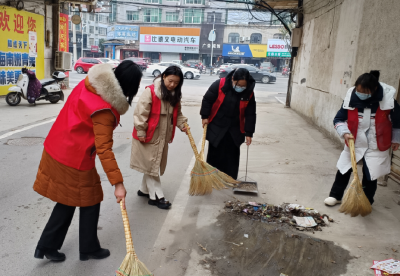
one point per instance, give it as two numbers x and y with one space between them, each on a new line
50 90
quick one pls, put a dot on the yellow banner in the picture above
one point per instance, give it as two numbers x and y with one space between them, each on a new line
21 44
258 50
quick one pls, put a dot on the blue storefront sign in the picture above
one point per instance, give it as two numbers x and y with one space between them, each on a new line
124 32
236 50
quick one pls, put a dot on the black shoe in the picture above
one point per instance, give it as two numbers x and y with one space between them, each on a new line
140 193
51 254
160 203
99 254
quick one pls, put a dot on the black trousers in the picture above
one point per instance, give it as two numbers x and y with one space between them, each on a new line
225 157
341 181
56 229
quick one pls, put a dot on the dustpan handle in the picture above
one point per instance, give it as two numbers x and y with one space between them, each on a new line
127 228
203 143
192 143
353 155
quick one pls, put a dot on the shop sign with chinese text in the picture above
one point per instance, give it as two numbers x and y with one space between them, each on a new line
277 48
169 40
63 44
22 44
123 32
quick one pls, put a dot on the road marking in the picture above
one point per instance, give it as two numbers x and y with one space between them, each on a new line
25 128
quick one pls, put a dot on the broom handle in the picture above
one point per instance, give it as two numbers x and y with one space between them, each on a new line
203 142
192 143
353 156
247 161
127 228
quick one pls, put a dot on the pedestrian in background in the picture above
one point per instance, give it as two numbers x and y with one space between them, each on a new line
229 109
67 172
156 116
372 115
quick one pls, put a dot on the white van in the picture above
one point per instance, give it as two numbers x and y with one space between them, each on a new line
177 61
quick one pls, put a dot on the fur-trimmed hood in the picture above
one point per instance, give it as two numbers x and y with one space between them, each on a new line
102 78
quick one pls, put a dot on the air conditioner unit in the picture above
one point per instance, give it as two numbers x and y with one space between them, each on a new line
242 38
96 32
180 20
63 61
247 38
178 9
139 8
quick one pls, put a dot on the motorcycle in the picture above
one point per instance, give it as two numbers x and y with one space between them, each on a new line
285 73
50 89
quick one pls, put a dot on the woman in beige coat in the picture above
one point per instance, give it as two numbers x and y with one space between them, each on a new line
156 115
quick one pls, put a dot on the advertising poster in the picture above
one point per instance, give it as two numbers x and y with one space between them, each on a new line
22 44
32 44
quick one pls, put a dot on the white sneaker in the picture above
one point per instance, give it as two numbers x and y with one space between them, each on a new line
331 201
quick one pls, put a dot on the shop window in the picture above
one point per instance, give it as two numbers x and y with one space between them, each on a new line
256 38
129 54
210 17
91 41
151 15
132 15
233 38
103 18
91 29
102 31
171 16
278 36
91 17
193 16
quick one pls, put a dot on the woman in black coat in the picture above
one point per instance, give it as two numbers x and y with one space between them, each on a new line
229 109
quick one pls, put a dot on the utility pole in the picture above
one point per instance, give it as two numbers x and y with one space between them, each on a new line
212 46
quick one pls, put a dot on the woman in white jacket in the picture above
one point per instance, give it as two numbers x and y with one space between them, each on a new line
371 114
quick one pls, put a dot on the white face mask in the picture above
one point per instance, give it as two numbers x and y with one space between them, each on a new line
239 89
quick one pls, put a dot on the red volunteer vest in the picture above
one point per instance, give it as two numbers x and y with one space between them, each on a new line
154 117
220 100
383 127
71 138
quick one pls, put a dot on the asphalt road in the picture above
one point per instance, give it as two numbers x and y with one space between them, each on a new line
24 213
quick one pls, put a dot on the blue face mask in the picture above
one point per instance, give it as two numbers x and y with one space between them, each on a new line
239 89
363 96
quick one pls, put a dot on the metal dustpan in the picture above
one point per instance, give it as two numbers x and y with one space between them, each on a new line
246 185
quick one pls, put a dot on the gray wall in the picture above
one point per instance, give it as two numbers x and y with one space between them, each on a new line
340 41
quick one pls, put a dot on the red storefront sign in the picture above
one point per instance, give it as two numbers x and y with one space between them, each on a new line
94 49
63 43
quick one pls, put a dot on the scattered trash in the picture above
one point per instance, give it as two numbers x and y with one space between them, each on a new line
295 215
246 236
394 250
305 221
163 248
390 266
333 262
202 247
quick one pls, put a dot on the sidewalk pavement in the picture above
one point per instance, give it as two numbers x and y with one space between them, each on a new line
292 162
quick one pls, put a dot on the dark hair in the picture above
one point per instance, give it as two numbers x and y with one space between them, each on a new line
241 74
166 95
129 75
369 81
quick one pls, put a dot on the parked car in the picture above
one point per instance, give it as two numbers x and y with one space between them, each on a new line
158 68
192 63
142 62
82 65
266 66
258 75
108 60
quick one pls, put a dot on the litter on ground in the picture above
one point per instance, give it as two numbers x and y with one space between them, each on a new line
291 214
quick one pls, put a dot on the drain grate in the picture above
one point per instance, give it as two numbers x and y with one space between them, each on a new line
25 141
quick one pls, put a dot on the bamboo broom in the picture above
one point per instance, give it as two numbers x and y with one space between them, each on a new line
355 202
205 177
131 266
